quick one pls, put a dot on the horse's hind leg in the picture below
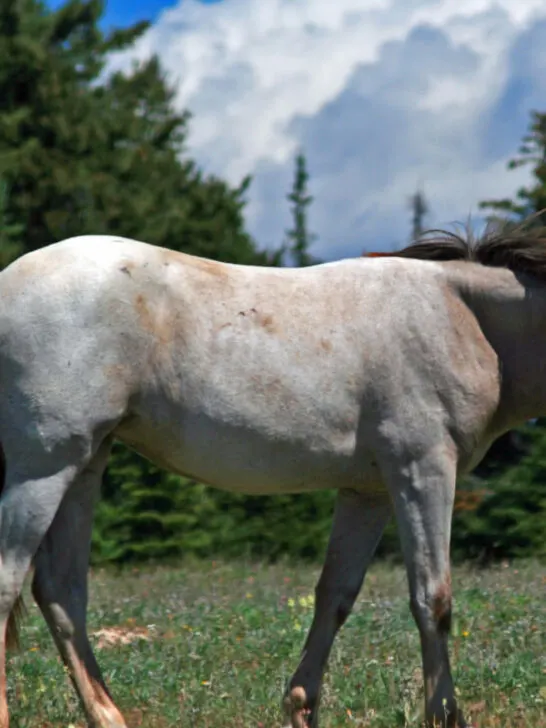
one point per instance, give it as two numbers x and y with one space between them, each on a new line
423 491
60 589
359 521
33 489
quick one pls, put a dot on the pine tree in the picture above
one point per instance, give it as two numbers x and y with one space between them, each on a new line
148 513
88 153
508 518
530 200
52 125
11 244
298 238
419 208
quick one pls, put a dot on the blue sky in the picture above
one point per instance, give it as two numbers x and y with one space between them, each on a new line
383 96
124 12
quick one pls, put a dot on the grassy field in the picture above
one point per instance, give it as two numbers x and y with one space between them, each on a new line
211 645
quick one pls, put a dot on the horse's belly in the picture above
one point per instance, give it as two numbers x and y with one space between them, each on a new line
248 461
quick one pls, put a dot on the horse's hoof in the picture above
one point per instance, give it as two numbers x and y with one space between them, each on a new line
295 708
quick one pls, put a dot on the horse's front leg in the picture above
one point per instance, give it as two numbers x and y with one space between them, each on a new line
359 521
423 491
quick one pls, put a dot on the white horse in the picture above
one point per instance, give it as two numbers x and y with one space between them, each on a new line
383 378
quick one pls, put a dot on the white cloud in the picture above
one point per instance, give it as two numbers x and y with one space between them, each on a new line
383 95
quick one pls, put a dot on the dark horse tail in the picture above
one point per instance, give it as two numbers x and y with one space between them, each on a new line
18 609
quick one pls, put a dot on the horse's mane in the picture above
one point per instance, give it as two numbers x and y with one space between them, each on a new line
522 248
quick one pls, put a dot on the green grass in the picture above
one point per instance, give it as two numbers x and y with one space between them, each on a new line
223 639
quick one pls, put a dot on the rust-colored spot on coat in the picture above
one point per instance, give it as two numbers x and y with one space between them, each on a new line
266 322
144 316
157 324
212 267
441 606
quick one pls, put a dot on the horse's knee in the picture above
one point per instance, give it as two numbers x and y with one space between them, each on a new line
434 612
442 608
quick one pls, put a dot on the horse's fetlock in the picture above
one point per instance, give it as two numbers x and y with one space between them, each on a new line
448 716
296 706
